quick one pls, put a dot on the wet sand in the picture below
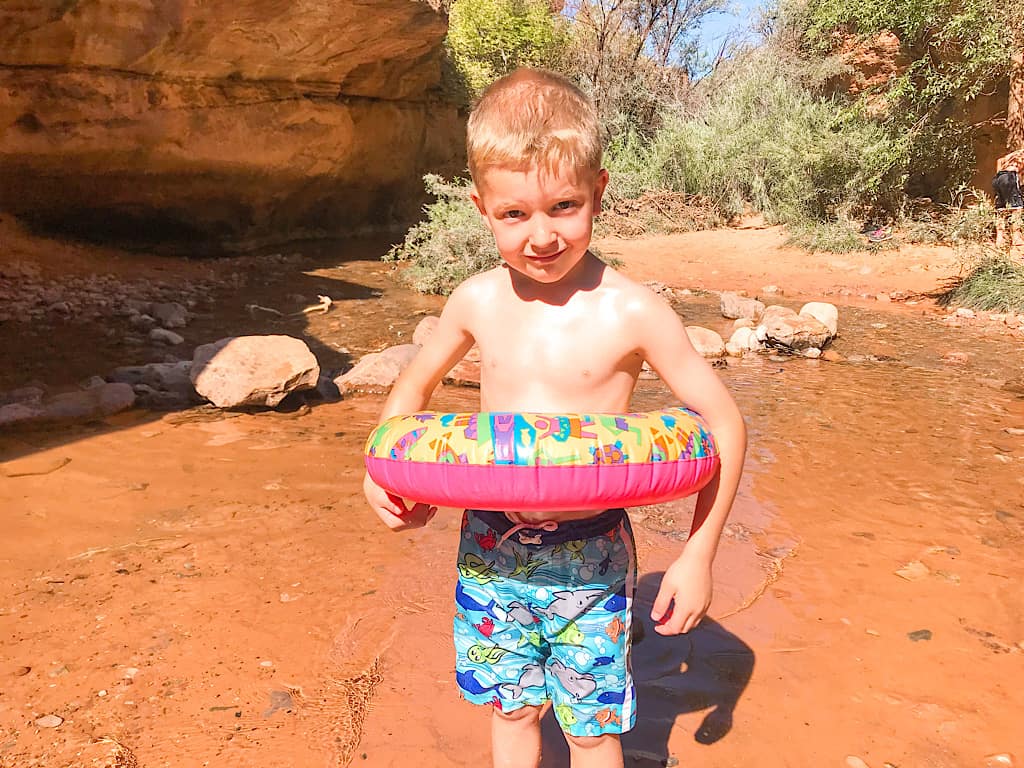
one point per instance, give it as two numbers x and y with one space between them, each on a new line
202 588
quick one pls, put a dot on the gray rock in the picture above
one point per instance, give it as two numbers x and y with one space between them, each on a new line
142 322
707 342
169 314
163 336
253 370
17 413
90 403
29 395
377 371
735 306
92 382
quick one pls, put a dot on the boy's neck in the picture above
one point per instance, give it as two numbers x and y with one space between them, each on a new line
585 276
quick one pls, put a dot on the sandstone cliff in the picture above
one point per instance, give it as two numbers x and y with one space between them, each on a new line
204 123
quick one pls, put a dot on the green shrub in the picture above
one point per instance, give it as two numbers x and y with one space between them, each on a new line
490 38
763 137
995 283
450 245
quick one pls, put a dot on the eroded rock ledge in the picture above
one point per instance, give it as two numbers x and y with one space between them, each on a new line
210 124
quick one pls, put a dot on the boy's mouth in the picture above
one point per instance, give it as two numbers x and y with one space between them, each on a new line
546 259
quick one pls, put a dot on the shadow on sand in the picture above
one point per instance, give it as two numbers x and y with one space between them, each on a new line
707 669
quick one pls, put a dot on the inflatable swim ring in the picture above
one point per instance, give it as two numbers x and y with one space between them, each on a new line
542 462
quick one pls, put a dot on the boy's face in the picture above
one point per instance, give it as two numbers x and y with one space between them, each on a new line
542 222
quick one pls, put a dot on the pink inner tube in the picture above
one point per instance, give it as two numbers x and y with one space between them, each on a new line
519 462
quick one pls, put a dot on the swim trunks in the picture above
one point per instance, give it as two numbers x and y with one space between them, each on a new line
543 614
1007 189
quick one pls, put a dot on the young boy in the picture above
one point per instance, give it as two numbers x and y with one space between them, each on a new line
558 332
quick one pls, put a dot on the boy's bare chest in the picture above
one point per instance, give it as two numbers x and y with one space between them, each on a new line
564 347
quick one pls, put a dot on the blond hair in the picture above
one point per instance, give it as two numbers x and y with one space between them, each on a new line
533 118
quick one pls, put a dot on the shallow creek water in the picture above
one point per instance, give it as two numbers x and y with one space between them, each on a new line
207 588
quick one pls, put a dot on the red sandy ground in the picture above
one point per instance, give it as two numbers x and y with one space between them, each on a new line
207 589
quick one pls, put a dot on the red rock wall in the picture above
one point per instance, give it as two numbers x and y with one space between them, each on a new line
207 123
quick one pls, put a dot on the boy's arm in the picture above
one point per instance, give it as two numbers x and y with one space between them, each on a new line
685 592
449 342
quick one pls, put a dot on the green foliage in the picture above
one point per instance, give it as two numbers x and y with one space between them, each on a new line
450 245
490 38
995 283
764 138
955 50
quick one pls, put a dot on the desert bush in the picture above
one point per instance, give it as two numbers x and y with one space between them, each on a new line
995 283
450 244
763 137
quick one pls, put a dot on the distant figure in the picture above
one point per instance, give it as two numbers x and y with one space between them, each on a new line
1009 202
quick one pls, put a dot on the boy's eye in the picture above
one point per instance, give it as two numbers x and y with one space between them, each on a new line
565 205
514 213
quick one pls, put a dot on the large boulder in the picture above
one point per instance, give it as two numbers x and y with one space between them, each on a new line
252 370
205 124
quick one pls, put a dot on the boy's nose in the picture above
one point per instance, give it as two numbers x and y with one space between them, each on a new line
542 236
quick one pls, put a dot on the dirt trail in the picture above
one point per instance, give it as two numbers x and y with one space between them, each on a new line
201 588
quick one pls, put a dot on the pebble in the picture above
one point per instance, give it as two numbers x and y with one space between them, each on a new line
101 693
772 290
812 352
920 634
1016 431
165 336
49 721
965 312
267 663
915 570
852 761
1001 760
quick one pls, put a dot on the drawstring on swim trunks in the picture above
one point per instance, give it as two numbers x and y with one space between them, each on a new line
520 525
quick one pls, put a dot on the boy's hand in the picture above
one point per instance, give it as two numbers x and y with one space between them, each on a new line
392 510
684 596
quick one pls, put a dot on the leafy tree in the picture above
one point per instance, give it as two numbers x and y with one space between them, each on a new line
957 50
490 38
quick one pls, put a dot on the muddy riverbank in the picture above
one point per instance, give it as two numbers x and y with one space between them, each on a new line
206 588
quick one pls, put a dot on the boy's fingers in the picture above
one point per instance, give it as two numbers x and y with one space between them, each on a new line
662 607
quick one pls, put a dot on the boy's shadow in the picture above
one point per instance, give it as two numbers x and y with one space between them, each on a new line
708 668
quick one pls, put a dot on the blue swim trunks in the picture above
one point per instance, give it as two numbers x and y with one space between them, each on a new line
543 614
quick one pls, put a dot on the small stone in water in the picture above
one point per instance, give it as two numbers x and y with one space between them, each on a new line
1002 760
266 663
852 761
49 721
920 634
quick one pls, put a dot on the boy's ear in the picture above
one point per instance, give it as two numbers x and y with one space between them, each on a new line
600 183
474 195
